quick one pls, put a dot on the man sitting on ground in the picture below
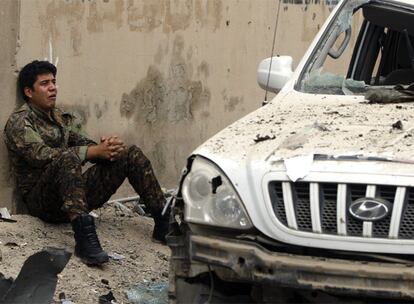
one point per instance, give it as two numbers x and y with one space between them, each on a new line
47 155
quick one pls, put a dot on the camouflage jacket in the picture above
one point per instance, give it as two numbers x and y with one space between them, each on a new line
34 140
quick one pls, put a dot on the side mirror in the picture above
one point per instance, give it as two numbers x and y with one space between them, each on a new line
280 73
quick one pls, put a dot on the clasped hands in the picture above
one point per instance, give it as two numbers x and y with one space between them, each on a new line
110 148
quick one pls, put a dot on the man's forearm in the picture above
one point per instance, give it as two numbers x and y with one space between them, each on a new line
92 153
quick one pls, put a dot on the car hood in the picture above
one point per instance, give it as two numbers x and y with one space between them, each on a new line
301 124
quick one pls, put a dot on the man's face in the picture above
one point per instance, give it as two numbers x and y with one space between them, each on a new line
44 92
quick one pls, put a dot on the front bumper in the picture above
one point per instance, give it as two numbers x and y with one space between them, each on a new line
249 262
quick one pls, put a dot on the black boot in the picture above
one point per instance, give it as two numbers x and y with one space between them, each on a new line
87 245
160 229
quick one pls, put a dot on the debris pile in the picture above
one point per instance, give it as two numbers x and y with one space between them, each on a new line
135 259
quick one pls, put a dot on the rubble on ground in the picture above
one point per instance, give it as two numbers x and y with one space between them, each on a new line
139 260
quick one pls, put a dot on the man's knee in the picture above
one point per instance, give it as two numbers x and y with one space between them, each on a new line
137 157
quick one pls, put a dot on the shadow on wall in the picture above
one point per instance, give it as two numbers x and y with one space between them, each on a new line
157 99
16 204
169 106
162 107
167 99
173 105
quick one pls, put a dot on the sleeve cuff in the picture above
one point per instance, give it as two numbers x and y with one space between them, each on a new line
82 152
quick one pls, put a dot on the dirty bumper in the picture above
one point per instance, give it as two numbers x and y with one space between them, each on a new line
252 263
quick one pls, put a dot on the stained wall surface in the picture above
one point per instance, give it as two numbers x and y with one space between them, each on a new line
9 27
162 74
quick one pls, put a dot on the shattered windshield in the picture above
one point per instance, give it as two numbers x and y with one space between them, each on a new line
367 50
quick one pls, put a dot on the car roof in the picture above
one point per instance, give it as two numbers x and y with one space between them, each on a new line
408 2
405 1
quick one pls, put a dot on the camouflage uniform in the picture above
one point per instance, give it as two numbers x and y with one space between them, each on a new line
47 155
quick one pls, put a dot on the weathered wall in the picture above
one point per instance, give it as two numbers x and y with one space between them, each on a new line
8 36
162 74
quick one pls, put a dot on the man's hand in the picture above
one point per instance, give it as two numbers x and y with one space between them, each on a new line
115 145
110 148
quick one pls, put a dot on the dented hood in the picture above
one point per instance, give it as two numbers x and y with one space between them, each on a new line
302 124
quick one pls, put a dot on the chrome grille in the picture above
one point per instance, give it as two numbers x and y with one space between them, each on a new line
328 209
302 207
276 195
407 223
354 227
381 229
323 208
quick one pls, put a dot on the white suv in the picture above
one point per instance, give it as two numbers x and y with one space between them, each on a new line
311 196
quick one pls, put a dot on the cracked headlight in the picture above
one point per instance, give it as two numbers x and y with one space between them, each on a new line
211 199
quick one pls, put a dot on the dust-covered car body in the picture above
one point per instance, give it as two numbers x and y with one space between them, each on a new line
313 191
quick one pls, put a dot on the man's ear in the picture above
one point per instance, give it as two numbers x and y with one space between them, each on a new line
28 92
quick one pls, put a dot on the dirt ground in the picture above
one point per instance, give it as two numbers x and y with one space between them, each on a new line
126 234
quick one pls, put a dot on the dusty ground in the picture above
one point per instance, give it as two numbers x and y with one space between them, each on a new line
129 235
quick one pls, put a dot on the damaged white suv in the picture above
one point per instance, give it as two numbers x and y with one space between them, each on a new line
310 197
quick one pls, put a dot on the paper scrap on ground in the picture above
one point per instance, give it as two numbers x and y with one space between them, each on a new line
299 166
115 256
4 213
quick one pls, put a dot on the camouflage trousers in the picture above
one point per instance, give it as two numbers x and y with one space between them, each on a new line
63 188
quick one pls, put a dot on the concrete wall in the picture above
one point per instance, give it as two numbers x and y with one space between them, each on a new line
9 27
162 74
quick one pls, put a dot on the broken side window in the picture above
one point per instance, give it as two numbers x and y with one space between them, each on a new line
368 46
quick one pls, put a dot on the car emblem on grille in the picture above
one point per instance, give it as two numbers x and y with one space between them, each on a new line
370 209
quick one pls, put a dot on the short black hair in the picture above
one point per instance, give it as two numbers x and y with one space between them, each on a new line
28 74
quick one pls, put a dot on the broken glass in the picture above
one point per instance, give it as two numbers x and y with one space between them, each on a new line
328 72
330 83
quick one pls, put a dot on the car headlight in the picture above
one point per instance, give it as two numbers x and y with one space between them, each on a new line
211 199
